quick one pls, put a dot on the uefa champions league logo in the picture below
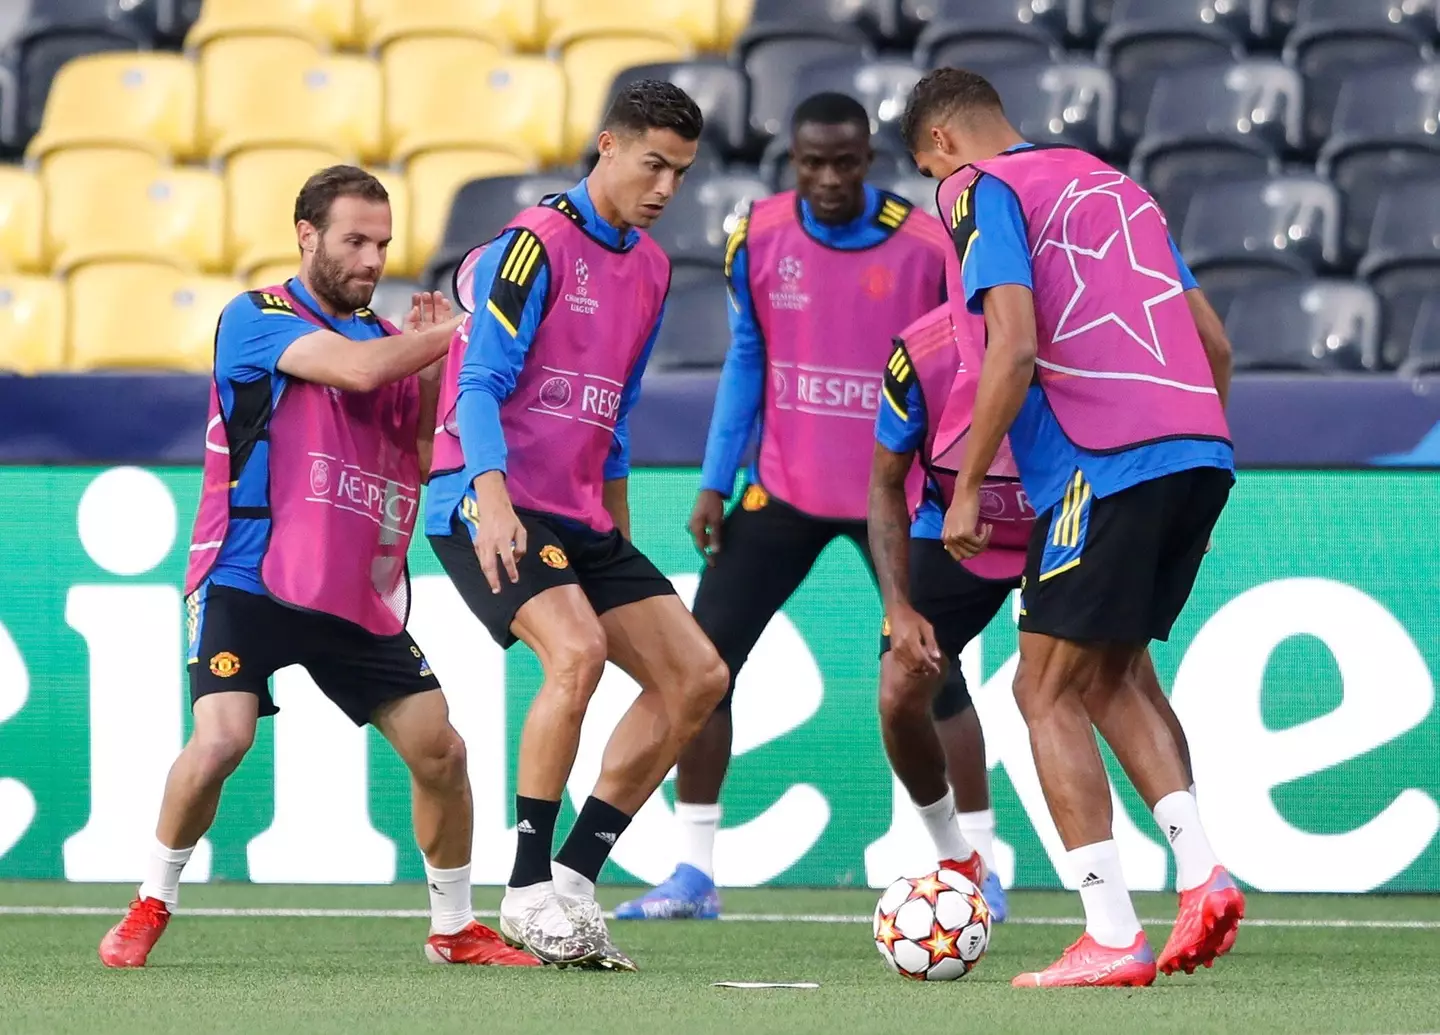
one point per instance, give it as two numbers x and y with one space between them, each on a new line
582 274
790 271
579 299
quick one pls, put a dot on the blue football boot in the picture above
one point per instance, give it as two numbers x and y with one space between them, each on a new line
995 898
688 894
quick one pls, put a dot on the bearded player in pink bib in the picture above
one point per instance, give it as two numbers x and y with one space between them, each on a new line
1108 370
529 516
318 438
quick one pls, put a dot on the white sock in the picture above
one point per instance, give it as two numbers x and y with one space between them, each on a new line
162 873
1109 914
451 909
979 829
571 883
1179 821
939 820
698 824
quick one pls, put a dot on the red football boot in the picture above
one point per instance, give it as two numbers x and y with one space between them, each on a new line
1205 927
129 942
1088 964
476 945
972 868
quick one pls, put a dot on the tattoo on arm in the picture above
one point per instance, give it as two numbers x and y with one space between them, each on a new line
889 525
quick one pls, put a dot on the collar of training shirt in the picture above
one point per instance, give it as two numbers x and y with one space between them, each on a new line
610 236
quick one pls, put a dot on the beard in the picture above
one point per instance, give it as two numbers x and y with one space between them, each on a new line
341 291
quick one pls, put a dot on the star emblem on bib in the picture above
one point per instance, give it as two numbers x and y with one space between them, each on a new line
1092 227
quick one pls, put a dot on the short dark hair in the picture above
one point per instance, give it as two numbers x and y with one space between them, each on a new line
313 202
654 104
942 94
830 109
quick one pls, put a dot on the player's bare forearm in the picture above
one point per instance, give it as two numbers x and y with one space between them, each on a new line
327 358
429 402
616 497
888 525
1215 341
1005 377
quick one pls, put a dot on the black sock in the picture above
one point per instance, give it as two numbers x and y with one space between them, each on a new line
534 837
594 834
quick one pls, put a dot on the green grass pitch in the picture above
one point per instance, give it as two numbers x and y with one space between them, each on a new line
1310 964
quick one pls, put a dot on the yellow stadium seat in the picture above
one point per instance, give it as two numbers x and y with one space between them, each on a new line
139 314
121 99
434 178
591 65
695 21
260 190
22 220
399 259
510 23
32 324
75 180
515 103
252 97
172 215
734 19
270 274
325 23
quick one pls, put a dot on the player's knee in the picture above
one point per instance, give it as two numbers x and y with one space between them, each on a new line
706 684
218 752
442 763
903 695
576 664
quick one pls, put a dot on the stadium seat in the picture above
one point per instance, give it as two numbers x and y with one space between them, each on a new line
400 259
260 190
434 178
12 22
513 103
1406 228
35 61
697 21
325 23
1291 222
392 299
1335 39
480 210
591 65
129 315
109 100
883 86
1243 21
839 19
75 181
715 85
173 19
135 19
1422 352
172 215
1317 325
9 111
1403 291
32 324
271 273
774 66
698 221
1173 176
279 93
986 35
695 333
22 220
508 23
1070 102
734 18
985 54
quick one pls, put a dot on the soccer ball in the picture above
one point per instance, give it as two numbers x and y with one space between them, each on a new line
932 928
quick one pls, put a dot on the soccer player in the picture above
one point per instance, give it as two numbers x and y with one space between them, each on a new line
1109 370
821 278
319 434
529 516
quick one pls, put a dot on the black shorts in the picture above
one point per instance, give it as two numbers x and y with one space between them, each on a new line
238 640
607 567
958 605
1120 569
767 547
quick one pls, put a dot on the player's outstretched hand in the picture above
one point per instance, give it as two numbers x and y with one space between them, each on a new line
963 534
705 522
912 641
500 539
427 308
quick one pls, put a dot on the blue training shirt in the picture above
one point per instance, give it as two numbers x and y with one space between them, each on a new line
737 418
255 330
500 330
999 254
901 429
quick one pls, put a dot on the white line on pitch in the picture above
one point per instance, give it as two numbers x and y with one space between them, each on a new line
762 918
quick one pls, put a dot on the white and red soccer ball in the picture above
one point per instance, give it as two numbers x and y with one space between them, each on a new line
932 928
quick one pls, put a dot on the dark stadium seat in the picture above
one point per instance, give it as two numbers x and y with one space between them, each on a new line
1241 20
1173 176
1252 105
174 19
135 19
1403 292
1383 133
1137 55
699 219
1291 222
1023 18
480 211
774 66
845 19
9 110
890 160
1422 352
1406 228
1320 325
1068 102
35 60
1333 39
695 333
883 86
984 52
717 87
